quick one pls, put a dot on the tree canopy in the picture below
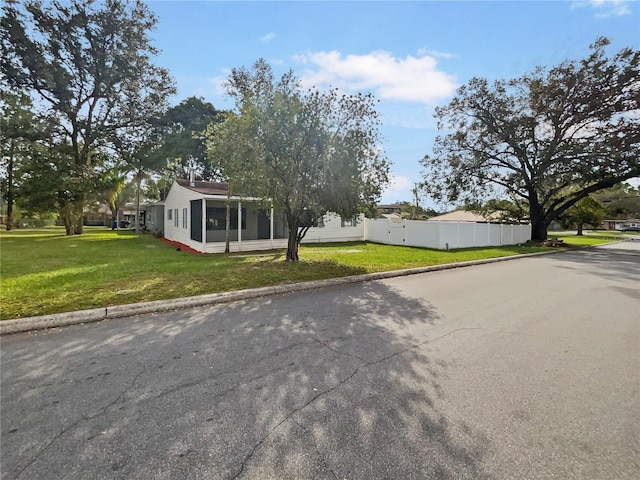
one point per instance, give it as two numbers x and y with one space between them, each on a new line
21 139
550 137
183 146
307 151
89 65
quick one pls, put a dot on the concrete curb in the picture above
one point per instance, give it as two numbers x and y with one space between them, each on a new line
118 311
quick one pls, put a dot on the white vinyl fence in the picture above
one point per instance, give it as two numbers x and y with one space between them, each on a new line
444 235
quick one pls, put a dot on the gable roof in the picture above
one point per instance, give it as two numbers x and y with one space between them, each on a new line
206 188
459 216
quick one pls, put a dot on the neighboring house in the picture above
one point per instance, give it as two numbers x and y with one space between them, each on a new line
468 216
390 209
460 216
619 224
154 216
100 214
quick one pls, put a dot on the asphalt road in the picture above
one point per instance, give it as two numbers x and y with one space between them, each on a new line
527 369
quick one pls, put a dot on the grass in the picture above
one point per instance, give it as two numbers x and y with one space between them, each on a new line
43 271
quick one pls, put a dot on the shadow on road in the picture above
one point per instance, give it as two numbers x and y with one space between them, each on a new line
617 262
336 383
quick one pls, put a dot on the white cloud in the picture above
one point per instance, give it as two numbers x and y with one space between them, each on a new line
218 84
268 37
399 188
435 53
410 79
605 8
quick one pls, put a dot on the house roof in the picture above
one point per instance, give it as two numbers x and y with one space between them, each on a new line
206 188
459 216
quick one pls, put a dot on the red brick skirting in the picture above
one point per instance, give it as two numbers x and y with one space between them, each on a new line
182 246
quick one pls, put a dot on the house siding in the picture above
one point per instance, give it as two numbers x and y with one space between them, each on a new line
333 231
177 199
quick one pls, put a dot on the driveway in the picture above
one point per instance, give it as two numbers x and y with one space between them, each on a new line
526 369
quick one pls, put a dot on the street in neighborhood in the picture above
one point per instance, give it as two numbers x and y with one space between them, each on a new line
524 369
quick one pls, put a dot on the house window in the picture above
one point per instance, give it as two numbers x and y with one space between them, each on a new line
349 222
184 218
216 218
169 217
175 217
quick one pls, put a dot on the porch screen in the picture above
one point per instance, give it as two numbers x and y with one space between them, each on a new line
216 218
196 220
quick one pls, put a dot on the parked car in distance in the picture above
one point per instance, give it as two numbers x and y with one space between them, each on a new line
124 224
630 229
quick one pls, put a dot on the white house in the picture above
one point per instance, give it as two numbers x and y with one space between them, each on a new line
195 216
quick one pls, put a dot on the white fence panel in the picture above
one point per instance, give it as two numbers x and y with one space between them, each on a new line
495 234
444 235
377 230
396 233
421 234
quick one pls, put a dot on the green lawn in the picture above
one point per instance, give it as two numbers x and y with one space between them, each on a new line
43 271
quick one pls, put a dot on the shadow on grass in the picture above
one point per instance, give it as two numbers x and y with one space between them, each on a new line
337 383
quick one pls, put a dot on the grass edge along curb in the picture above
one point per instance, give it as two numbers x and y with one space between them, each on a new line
41 322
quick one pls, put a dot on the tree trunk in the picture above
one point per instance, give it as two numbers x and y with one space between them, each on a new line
9 221
77 218
579 229
67 221
292 245
538 224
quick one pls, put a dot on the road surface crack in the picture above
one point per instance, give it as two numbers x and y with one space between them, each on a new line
290 415
76 423
337 351
323 460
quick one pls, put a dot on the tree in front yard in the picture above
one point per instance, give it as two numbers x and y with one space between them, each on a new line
550 138
310 152
88 65
584 212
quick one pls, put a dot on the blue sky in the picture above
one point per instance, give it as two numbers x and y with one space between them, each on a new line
412 55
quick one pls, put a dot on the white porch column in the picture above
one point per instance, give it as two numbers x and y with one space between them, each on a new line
271 222
204 224
239 225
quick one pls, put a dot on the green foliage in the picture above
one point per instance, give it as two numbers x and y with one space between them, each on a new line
513 210
21 137
183 145
620 201
539 136
88 65
309 152
584 212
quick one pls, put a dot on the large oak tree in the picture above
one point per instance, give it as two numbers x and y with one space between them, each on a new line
550 137
309 152
90 64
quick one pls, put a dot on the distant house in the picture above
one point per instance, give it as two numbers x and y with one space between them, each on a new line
460 216
468 216
100 214
390 209
195 215
154 216
619 224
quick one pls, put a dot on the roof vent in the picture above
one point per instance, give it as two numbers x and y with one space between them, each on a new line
192 178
